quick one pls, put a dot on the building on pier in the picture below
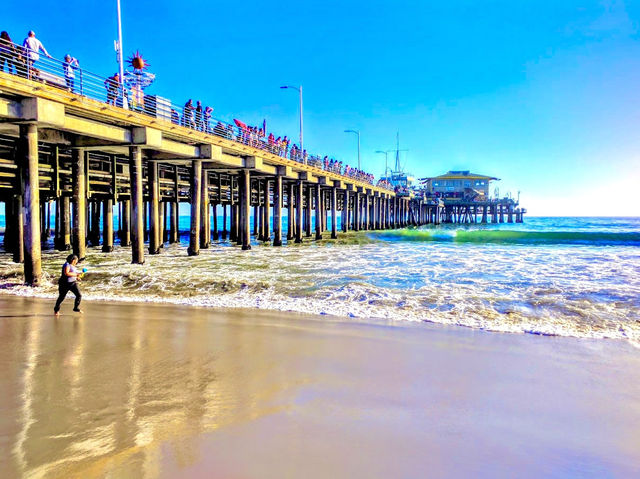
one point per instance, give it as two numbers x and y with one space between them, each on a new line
459 185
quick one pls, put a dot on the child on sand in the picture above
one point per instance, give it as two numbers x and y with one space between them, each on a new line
69 282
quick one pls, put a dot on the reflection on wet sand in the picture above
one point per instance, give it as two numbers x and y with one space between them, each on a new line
149 391
110 389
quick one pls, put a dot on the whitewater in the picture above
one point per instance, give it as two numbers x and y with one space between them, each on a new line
550 276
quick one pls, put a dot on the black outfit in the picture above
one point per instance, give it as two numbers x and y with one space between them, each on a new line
64 286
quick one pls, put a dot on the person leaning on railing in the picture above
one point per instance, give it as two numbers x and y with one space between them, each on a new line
32 47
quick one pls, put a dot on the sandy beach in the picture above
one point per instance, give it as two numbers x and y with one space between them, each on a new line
157 391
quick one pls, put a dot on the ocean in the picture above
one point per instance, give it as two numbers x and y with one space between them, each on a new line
548 276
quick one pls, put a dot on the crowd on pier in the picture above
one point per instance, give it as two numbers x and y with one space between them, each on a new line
22 61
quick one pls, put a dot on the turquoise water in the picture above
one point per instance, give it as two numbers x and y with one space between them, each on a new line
550 276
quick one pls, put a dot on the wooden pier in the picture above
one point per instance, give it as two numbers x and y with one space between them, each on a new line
81 158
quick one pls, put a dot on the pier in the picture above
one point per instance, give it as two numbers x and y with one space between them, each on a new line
75 159
75 155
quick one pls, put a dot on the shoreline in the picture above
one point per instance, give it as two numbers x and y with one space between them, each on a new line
133 387
160 301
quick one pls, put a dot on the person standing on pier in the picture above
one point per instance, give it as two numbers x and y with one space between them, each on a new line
8 53
187 115
32 47
199 112
69 66
69 282
111 84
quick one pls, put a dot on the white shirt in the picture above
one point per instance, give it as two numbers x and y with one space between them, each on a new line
31 48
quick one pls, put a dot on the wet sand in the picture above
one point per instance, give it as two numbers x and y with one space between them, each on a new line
157 391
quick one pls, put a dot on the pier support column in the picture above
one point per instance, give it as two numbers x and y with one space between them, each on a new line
299 192
277 211
307 216
94 222
28 156
205 220
214 212
266 233
318 212
79 204
154 213
334 216
196 197
107 226
64 224
257 218
164 216
173 222
291 223
18 230
137 205
356 211
125 238
345 211
225 232
245 203
366 212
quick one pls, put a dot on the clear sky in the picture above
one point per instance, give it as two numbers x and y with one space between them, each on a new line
542 94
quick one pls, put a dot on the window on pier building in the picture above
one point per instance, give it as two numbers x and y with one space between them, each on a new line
467 184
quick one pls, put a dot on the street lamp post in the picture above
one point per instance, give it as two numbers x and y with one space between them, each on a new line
299 90
357 132
120 59
386 162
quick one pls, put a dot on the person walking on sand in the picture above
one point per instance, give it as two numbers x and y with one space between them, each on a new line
69 282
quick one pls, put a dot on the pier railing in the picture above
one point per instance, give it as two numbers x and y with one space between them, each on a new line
130 95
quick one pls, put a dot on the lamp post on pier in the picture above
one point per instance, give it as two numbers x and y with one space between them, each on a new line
120 59
357 132
386 161
299 90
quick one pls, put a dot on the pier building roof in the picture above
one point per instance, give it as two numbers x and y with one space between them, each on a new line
461 175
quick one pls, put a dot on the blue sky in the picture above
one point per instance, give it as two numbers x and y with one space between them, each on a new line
543 95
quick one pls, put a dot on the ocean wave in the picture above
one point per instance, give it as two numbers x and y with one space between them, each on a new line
593 238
